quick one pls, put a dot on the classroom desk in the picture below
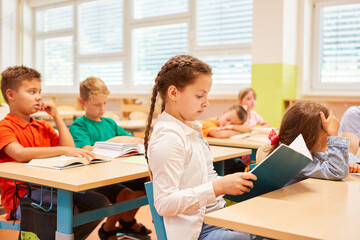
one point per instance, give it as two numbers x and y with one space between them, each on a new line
311 209
88 177
240 143
76 180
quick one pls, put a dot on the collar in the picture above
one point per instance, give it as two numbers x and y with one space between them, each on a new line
91 121
189 127
19 121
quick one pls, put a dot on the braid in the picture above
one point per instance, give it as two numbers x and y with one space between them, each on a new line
149 119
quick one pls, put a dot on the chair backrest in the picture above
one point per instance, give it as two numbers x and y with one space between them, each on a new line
158 220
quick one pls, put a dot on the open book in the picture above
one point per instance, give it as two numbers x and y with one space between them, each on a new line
112 149
63 162
278 168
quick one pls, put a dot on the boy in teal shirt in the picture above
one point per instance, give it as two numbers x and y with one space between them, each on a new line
93 127
86 132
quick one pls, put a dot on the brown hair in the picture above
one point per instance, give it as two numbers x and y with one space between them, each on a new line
92 86
12 77
302 117
240 111
179 71
243 93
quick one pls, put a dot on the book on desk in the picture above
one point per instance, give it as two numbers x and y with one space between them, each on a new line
114 149
278 168
63 162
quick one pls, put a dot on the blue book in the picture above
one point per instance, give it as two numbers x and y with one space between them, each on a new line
277 169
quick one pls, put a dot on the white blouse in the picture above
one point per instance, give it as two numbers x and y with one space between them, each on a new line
183 171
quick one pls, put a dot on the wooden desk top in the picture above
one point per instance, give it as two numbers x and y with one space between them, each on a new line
94 175
311 209
223 153
75 179
243 143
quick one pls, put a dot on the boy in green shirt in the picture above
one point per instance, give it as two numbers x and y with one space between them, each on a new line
93 127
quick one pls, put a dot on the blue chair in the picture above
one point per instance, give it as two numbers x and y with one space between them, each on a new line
252 165
157 219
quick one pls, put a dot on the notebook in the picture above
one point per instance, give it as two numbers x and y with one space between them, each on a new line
278 168
63 162
114 150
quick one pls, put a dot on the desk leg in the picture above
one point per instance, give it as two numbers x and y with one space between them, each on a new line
64 215
220 167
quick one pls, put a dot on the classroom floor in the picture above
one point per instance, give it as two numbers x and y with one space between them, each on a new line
143 216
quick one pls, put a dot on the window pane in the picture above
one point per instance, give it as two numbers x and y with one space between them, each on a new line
223 22
153 46
99 32
110 72
54 19
340 44
153 8
56 63
230 69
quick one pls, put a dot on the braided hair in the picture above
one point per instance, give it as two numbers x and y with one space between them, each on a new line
179 71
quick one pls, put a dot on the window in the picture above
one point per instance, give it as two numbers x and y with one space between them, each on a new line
338 40
128 45
223 38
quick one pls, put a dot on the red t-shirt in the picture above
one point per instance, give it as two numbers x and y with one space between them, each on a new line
29 134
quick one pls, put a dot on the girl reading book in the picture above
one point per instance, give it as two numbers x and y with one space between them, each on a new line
186 187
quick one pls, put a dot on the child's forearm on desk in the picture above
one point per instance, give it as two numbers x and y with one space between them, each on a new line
21 154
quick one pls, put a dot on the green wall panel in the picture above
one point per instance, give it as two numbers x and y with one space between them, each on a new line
273 83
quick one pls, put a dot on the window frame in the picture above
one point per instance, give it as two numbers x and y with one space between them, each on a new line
315 84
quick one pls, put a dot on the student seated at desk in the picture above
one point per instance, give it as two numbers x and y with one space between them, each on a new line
247 99
23 138
319 127
230 123
186 187
93 127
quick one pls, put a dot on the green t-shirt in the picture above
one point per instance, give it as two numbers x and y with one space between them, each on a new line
86 132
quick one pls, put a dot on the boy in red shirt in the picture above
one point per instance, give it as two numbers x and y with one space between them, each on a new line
23 138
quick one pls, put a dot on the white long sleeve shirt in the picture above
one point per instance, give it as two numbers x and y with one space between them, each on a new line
182 167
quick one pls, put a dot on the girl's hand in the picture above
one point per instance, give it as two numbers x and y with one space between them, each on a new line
49 108
331 124
234 184
354 167
79 152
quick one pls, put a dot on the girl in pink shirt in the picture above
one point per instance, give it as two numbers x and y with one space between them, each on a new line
247 99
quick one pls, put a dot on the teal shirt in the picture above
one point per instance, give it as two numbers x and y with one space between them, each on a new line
86 132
